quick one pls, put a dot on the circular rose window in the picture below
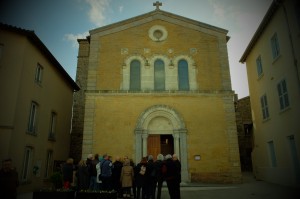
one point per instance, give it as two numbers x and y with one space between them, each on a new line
158 33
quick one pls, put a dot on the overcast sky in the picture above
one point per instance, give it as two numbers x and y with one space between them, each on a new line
58 23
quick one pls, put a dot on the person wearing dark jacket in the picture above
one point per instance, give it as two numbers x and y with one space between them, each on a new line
82 176
151 178
93 173
140 173
67 172
159 176
178 166
116 174
89 160
8 180
171 177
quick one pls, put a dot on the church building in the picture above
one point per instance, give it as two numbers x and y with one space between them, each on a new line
158 83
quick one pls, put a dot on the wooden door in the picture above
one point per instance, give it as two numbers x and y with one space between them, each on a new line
167 144
153 147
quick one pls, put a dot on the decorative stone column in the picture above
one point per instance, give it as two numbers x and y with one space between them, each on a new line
183 154
176 144
138 145
145 139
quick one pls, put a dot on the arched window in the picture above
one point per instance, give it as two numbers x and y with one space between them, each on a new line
135 75
159 75
183 75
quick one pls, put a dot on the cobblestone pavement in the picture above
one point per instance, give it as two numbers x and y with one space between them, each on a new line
249 189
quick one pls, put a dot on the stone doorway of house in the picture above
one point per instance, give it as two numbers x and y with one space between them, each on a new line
157 144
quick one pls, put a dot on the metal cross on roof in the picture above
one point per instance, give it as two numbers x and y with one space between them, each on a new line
157 4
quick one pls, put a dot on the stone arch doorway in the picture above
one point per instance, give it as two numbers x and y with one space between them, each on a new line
157 123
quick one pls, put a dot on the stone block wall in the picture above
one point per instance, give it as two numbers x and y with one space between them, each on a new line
79 101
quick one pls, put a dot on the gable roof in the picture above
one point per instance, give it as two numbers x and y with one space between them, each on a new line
267 18
157 14
33 38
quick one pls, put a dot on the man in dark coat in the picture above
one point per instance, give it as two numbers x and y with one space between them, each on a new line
89 165
93 173
150 178
8 180
159 176
171 176
116 174
178 166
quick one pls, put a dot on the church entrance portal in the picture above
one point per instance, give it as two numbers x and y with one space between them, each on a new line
161 129
157 144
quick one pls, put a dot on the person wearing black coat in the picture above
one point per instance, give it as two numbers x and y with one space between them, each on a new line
82 175
116 174
159 176
171 172
151 178
140 173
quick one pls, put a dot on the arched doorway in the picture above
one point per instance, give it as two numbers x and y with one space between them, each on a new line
160 129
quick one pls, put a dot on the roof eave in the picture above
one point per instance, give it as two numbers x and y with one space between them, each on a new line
39 44
153 13
267 18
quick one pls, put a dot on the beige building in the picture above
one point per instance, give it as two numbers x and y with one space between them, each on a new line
159 83
272 59
36 106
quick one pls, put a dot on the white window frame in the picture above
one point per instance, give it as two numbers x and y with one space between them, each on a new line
38 74
1 51
49 163
272 154
264 107
259 67
27 162
32 123
283 95
275 46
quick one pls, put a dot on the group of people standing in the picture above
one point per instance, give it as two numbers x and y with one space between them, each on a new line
143 180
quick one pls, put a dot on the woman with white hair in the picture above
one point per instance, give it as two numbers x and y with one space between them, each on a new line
126 178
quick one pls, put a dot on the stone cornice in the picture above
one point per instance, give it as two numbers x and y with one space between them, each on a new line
160 93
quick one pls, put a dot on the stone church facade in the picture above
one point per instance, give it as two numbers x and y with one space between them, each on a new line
158 83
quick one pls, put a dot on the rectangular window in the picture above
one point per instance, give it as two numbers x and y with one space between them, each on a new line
1 51
26 163
38 74
297 11
52 125
272 153
49 161
275 46
159 75
259 66
283 95
135 75
264 106
183 75
32 124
